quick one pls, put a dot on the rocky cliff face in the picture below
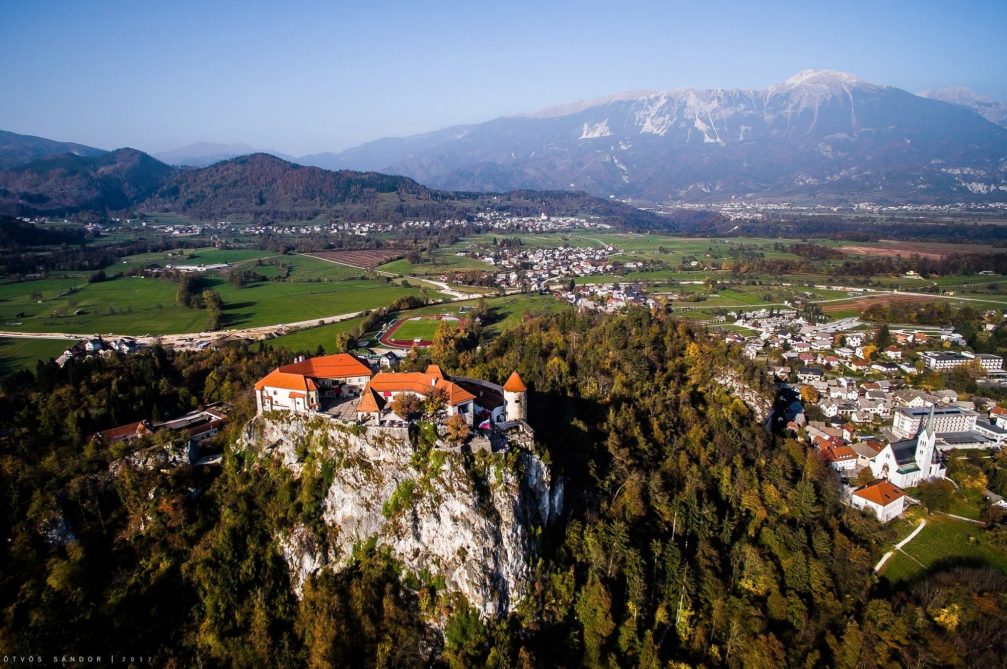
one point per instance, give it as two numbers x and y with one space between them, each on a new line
760 404
469 522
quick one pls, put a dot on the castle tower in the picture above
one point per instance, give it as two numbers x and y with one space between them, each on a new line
516 398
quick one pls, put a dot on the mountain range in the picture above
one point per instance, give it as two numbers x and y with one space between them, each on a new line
265 188
991 110
18 149
821 136
202 154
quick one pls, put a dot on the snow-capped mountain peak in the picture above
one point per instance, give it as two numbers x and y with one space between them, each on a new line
823 77
820 134
993 111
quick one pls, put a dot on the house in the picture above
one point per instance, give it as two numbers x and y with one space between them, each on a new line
858 365
908 462
866 451
999 416
308 384
127 433
841 458
883 499
914 398
809 374
389 361
893 353
855 339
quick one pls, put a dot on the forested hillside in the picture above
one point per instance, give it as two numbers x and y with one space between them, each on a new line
690 534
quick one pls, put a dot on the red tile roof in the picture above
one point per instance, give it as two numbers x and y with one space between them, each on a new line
420 383
137 429
338 366
881 493
515 384
371 402
286 381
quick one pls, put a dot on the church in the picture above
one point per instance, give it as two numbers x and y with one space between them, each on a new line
909 462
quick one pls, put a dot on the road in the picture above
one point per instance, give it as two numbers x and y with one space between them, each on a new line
190 339
441 286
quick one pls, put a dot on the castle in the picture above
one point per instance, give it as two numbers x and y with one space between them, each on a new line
345 387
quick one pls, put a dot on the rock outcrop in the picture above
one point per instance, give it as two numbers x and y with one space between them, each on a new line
760 404
470 522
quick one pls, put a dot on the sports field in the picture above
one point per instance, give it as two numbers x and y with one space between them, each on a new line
416 330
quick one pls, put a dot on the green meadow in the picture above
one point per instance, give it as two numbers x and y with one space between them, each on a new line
138 306
943 538
17 354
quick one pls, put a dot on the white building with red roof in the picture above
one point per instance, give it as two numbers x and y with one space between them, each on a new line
884 499
306 384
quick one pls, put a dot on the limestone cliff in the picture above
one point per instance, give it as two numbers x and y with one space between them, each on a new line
469 521
760 403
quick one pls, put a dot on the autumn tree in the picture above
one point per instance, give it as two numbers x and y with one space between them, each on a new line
407 405
456 429
434 401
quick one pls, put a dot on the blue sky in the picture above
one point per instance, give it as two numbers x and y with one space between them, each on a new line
303 77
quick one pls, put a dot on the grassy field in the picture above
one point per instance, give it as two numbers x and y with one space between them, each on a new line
308 341
505 313
943 538
417 328
207 256
16 354
444 263
138 306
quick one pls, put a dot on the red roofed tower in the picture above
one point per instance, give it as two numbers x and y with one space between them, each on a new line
516 398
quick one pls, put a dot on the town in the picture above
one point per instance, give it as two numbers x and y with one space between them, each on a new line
857 407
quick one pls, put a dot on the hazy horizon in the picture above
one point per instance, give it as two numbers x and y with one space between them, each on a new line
317 77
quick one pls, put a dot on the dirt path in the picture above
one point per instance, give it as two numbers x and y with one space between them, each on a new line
440 285
898 546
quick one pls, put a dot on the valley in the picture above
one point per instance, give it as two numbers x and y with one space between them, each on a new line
320 347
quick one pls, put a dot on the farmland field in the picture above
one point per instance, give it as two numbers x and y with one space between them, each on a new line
365 259
445 262
16 353
890 249
138 306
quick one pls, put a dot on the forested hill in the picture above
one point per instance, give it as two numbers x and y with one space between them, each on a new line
67 183
261 187
18 149
690 535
